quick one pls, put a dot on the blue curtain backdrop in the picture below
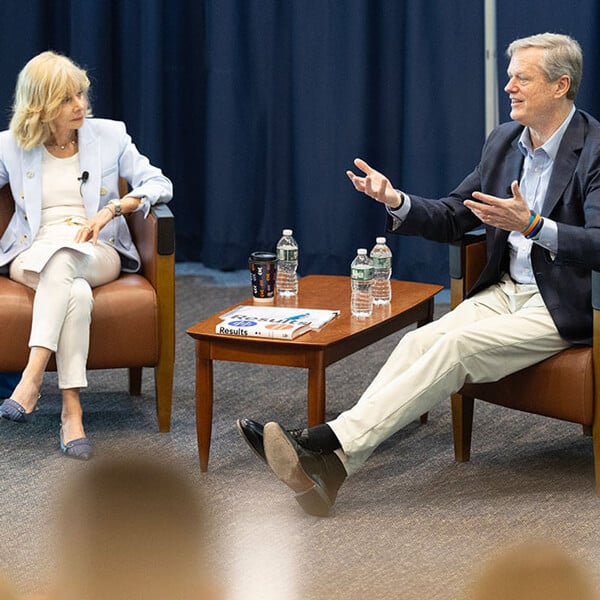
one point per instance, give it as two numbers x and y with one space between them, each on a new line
256 108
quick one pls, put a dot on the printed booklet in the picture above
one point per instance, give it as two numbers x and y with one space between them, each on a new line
272 321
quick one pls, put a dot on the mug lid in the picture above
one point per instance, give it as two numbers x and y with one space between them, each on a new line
263 256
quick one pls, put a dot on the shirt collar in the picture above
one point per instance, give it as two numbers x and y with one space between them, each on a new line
552 144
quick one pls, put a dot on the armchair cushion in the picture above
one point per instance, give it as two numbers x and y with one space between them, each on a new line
544 390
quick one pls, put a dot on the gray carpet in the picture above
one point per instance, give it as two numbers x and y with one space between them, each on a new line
411 524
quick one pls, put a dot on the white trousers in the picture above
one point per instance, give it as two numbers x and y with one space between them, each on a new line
63 302
501 330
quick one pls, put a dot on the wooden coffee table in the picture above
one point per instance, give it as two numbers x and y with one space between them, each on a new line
315 350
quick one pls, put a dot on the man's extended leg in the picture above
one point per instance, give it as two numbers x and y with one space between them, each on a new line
502 330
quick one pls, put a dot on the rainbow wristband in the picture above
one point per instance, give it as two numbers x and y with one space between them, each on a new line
536 229
534 221
531 217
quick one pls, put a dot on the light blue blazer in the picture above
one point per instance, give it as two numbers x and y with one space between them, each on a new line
106 152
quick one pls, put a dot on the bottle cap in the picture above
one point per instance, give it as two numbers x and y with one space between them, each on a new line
380 240
361 251
287 232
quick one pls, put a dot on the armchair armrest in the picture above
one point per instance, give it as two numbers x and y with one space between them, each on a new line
596 326
596 363
596 290
154 237
467 259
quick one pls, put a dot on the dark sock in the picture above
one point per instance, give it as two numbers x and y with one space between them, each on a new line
319 438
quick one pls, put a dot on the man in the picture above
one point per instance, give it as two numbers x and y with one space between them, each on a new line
533 298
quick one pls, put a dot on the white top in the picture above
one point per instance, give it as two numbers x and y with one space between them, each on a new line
60 189
63 212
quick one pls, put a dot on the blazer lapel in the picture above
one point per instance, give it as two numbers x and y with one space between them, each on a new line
514 164
89 160
32 187
565 163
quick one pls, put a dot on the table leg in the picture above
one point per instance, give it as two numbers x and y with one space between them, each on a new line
204 401
316 389
427 319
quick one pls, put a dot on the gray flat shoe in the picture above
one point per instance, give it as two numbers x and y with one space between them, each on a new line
79 448
11 410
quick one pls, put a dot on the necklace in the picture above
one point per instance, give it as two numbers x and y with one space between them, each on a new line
73 142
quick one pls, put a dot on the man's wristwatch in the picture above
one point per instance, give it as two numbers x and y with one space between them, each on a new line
117 206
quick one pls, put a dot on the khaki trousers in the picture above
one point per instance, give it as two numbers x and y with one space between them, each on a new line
501 330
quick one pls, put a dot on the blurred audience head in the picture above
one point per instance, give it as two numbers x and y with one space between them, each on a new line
131 529
7 592
533 570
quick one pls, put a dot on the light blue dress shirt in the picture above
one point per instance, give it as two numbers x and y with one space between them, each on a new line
535 177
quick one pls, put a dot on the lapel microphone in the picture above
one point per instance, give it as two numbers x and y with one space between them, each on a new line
83 178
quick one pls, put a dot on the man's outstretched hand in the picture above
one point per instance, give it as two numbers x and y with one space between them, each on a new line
375 185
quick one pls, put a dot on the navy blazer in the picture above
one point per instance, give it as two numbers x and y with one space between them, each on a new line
572 200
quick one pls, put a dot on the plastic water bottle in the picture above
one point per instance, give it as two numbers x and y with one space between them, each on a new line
361 304
381 256
287 264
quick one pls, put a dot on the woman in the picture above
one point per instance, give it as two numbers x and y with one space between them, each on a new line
68 233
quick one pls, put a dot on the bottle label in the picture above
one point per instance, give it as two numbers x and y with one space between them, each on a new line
381 262
287 253
362 273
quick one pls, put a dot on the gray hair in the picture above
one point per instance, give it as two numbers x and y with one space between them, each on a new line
562 56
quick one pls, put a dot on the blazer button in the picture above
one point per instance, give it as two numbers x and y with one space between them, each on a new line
111 240
103 191
29 174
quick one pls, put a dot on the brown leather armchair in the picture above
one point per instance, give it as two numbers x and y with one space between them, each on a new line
133 318
561 386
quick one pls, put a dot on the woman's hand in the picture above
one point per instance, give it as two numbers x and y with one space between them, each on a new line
92 227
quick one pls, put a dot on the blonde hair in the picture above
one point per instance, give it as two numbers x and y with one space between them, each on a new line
42 85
